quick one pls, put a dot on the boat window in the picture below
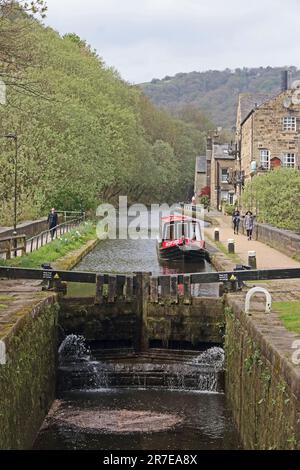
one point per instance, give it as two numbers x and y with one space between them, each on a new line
181 230
168 232
176 231
195 231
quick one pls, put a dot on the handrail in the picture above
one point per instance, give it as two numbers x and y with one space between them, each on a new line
14 243
70 222
39 239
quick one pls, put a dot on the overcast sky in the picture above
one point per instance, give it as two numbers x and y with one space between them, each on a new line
147 39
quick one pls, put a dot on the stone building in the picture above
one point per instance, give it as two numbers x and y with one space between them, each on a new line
200 176
213 171
223 163
268 132
267 136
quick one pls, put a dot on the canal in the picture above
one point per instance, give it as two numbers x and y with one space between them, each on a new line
93 414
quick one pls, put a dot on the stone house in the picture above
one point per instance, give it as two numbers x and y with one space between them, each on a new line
200 176
223 163
268 132
214 171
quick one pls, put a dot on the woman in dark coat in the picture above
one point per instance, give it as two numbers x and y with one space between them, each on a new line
236 218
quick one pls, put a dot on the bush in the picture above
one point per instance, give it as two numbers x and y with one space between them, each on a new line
229 209
274 197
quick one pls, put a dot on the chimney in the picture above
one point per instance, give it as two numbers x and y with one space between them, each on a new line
286 75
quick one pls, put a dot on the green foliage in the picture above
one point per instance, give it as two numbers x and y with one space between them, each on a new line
205 201
214 93
229 209
252 360
275 198
85 136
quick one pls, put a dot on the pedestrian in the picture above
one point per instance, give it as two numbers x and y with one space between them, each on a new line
236 219
52 222
249 224
194 201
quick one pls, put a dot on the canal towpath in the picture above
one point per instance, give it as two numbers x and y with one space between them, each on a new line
267 257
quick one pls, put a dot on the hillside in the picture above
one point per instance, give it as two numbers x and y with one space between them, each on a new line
85 136
215 93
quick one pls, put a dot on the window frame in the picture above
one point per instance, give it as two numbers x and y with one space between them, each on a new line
223 181
289 124
265 160
288 164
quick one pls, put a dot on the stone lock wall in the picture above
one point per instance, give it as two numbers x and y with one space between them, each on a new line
137 324
27 381
262 386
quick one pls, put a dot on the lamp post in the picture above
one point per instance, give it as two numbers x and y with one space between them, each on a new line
14 137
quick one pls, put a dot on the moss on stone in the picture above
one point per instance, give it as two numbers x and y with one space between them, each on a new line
27 381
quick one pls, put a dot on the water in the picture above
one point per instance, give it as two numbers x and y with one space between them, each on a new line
94 411
129 256
160 400
117 420
173 370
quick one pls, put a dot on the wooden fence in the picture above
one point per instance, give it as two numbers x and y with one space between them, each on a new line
12 245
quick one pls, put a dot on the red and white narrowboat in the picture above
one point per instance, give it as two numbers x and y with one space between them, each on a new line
181 239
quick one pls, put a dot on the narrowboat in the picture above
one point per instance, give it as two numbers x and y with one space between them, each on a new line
181 239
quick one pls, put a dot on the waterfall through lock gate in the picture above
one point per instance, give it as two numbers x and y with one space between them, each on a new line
170 370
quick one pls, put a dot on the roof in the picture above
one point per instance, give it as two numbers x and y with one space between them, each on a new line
222 152
201 165
250 101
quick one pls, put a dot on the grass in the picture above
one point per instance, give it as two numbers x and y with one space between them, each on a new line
56 249
289 313
233 256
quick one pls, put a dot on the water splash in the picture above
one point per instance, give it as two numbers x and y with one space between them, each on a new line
73 349
214 357
78 371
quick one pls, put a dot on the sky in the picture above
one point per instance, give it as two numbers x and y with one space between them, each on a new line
146 39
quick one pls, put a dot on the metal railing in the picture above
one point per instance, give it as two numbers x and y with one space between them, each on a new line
70 215
43 238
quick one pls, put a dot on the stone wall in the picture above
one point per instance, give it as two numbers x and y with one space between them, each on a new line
201 322
284 241
30 229
263 130
27 381
262 384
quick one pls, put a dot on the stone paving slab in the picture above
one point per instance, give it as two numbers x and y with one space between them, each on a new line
267 257
15 298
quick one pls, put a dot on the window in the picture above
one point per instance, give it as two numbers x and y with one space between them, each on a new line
289 160
265 159
224 176
290 123
224 196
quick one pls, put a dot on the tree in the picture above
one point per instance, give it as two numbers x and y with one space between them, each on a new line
16 48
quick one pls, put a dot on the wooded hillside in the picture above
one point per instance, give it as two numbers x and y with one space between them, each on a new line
215 93
85 136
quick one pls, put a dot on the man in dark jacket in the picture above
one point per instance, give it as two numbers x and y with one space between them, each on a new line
52 222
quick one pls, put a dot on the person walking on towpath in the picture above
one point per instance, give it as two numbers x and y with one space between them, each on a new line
236 219
249 224
52 222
